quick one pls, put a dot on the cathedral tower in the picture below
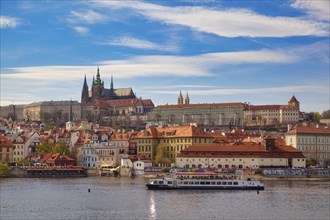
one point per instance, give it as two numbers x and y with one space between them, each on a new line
84 93
187 100
294 102
98 86
180 99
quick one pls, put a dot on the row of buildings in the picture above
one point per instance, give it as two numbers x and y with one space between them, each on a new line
186 146
100 103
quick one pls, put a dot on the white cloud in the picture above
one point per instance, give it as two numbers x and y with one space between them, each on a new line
86 17
156 65
285 89
319 10
141 44
81 30
227 23
52 82
9 22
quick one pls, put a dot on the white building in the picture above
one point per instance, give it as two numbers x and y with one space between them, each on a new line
272 114
313 141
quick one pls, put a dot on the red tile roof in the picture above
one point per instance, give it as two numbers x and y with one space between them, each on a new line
234 104
240 150
174 132
301 129
124 102
5 142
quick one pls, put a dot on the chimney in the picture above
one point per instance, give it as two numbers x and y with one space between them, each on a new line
270 143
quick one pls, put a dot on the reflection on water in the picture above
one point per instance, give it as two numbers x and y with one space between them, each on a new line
126 198
153 214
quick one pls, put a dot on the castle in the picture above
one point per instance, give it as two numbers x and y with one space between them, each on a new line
98 92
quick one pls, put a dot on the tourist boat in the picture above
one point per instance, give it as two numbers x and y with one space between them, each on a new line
56 172
204 181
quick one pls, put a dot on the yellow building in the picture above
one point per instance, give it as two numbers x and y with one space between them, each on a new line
241 155
172 139
6 150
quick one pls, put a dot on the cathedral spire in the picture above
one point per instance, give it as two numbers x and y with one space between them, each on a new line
85 81
187 100
84 93
180 99
111 84
98 77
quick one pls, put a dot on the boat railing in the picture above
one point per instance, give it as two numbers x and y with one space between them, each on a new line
207 177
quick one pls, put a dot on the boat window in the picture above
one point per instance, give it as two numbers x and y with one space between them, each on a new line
161 182
218 183
196 183
224 183
207 183
169 182
191 182
202 183
185 182
212 183
235 183
230 183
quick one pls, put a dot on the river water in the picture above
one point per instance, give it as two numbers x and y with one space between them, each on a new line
127 198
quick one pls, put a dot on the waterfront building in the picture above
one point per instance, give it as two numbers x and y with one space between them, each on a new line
313 141
56 160
272 114
20 150
6 149
171 139
241 155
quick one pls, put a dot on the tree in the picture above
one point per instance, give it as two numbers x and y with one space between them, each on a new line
161 155
12 116
326 114
317 117
45 116
62 148
46 147
311 162
4 169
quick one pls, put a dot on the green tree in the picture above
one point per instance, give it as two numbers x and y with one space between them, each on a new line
62 148
4 169
12 116
46 147
316 117
326 114
161 155
311 162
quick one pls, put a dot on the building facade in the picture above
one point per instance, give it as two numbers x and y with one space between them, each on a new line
6 150
52 110
172 139
241 155
216 114
272 114
313 141
15 111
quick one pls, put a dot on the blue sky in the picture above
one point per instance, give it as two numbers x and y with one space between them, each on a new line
261 52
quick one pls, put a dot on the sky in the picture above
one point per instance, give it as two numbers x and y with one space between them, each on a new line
259 52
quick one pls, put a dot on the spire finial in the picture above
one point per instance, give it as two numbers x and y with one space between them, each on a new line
111 84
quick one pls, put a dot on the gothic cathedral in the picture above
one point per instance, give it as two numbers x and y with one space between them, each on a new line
98 92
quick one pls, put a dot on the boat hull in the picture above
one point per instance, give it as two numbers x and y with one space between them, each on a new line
162 187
